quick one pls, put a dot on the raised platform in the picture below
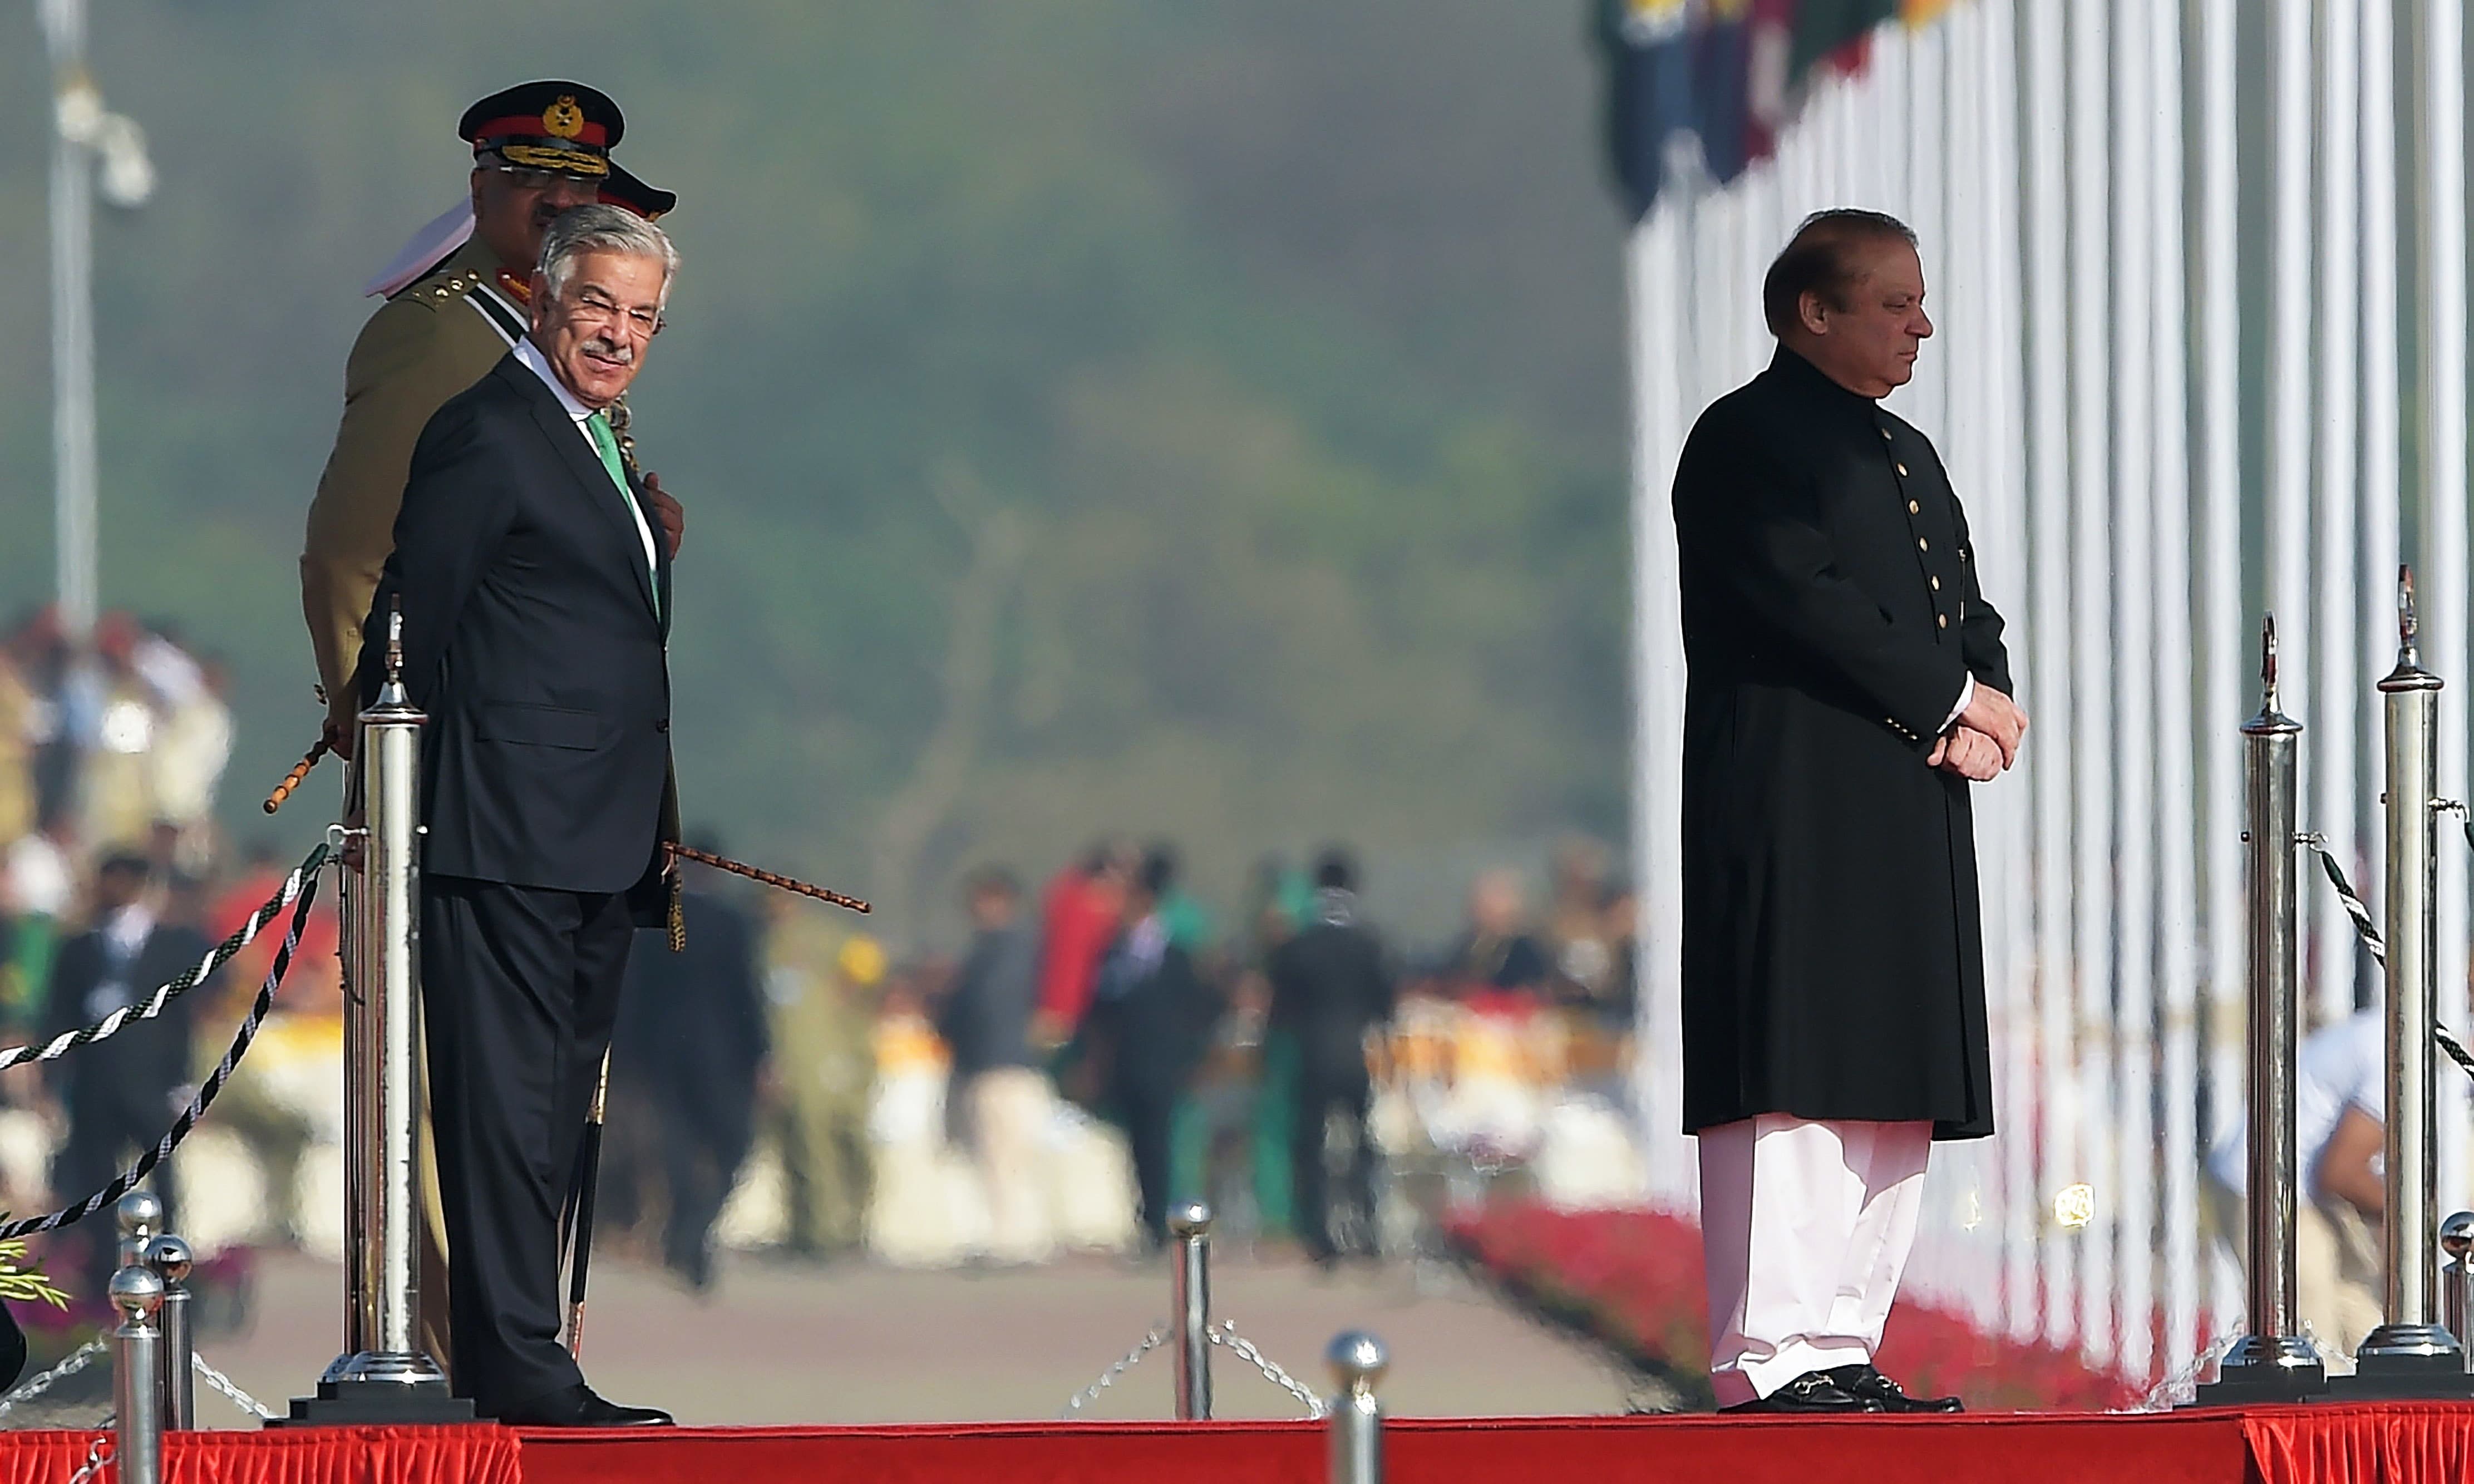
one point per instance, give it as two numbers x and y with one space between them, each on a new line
2392 1443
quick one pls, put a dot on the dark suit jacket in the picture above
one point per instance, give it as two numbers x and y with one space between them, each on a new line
531 639
147 1058
1832 961
985 1019
1157 1022
1330 985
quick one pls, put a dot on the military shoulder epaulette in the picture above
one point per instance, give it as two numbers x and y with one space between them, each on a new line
435 291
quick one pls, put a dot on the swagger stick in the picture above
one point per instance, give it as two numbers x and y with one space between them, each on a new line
588 1177
300 771
782 882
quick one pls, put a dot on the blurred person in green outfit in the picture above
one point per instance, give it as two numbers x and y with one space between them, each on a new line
822 985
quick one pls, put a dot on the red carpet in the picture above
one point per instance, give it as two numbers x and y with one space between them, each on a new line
2394 1444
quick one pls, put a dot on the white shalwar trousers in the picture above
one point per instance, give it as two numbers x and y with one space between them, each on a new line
1805 1227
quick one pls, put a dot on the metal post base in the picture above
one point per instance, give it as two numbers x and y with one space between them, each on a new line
378 1388
2406 1361
2256 1370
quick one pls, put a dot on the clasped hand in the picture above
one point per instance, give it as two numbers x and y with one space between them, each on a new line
1985 740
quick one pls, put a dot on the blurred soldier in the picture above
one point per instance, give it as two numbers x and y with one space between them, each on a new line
17 723
1330 986
120 1094
822 982
996 1096
537 150
703 1014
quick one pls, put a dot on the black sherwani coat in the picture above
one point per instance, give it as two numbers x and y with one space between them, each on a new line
1833 959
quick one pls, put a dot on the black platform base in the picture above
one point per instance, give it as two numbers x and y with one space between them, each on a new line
378 1404
2405 1379
2274 1386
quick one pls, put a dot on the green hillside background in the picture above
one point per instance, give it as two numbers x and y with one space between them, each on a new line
1200 421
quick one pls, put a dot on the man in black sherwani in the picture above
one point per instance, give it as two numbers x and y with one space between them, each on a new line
536 605
1847 684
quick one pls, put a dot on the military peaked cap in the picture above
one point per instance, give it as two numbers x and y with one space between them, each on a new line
558 126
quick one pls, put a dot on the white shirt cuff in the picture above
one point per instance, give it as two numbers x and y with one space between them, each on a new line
1966 697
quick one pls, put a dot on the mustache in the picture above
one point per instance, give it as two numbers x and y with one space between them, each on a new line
606 349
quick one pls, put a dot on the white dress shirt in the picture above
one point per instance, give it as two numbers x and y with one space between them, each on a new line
530 355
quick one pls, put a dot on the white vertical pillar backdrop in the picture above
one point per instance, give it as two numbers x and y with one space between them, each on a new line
2220 558
2436 67
2153 449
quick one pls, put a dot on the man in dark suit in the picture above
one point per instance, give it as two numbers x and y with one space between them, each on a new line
1847 684
121 1094
1330 987
536 605
1155 1016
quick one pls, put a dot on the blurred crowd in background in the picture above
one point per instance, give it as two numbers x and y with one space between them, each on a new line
1103 1045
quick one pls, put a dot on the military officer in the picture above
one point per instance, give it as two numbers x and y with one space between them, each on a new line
458 303
537 150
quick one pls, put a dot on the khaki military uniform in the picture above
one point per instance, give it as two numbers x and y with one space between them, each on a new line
824 1061
429 341
437 337
16 754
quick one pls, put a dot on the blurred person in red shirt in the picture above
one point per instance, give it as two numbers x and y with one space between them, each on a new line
1078 917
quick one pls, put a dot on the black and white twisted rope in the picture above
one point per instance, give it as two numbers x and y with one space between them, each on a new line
153 1005
2364 929
127 1181
2350 899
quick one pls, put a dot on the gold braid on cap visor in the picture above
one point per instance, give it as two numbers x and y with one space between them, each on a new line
571 162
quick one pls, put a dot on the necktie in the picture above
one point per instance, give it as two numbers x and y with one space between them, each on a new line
606 444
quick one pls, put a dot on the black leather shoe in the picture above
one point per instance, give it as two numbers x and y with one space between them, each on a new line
1872 1386
577 1406
1814 1392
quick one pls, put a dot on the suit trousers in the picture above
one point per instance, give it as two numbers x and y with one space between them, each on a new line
1007 1110
1805 1227
521 986
1318 1101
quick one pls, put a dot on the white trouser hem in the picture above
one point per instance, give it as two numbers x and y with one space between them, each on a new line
1747 1379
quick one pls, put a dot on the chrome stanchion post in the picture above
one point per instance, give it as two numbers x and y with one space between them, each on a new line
1358 1361
2274 1360
387 1378
137 1376
1191 1224
169 1258
139 1216
2411 1354
2457 1279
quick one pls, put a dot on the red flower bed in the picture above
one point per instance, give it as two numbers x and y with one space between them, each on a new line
1634 1280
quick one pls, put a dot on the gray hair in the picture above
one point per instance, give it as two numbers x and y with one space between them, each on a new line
602 229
